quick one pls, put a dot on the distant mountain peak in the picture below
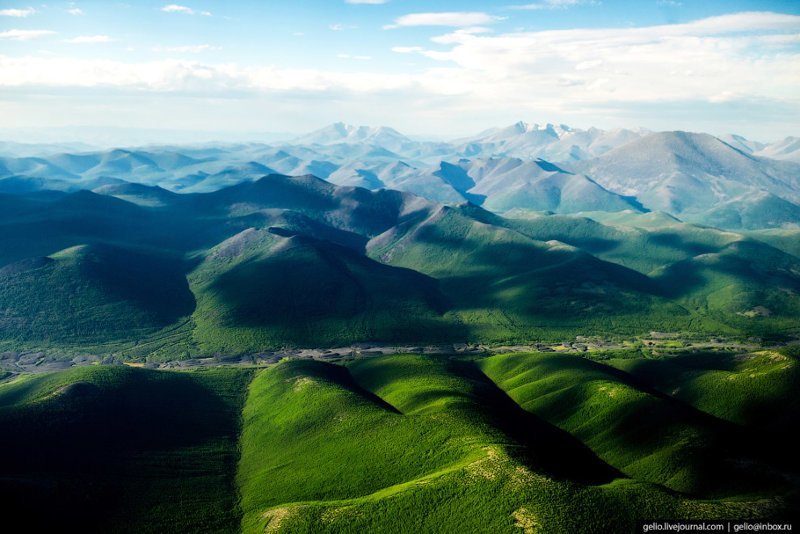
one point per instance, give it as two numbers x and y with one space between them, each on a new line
341 133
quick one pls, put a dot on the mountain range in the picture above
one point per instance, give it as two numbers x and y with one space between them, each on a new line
299 261
363 332
728 182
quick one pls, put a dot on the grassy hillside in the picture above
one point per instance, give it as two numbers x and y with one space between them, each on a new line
752 211
296 261
754 390
92 293
644 434
311 433
121 449
407 443
752 287
725 281
644 249
787 240
263 289
506 286
430 444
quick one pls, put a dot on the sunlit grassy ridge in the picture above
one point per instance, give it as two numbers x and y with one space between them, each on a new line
500 469
387 444
311 433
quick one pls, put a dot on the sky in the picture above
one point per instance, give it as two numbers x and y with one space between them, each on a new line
450 68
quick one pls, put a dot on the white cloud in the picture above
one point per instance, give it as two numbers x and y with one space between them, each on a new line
89 39
175 8
453 18
370 2
717 61
24 35
19 13
556 4
171 75
590 64
459 34
190 49
75 11
699 60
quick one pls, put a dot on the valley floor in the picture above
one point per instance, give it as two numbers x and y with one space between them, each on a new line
656 343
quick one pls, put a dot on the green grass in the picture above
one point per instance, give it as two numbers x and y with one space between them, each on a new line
645 435
506 287
298 262
122 449
746 389
406 443
430 444
785 239
304 292
92 294
311 433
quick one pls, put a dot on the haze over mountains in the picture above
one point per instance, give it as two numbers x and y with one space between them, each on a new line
729 182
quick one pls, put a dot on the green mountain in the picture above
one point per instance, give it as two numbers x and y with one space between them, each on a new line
92 293
264 288
140 272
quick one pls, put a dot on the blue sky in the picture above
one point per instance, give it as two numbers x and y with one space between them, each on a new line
248 66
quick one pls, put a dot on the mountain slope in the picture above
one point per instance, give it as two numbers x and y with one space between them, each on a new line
112 448
686 174
92 293
549 142
299 261
788 149
279 288
498 184
506 285
341 133
646 435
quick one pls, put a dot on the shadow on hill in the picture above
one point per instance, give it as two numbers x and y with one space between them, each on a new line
438 385
308 280
114 410
544 447
156 283
678 242
644 432
750 267
92 452
340 376
493 258
766 419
